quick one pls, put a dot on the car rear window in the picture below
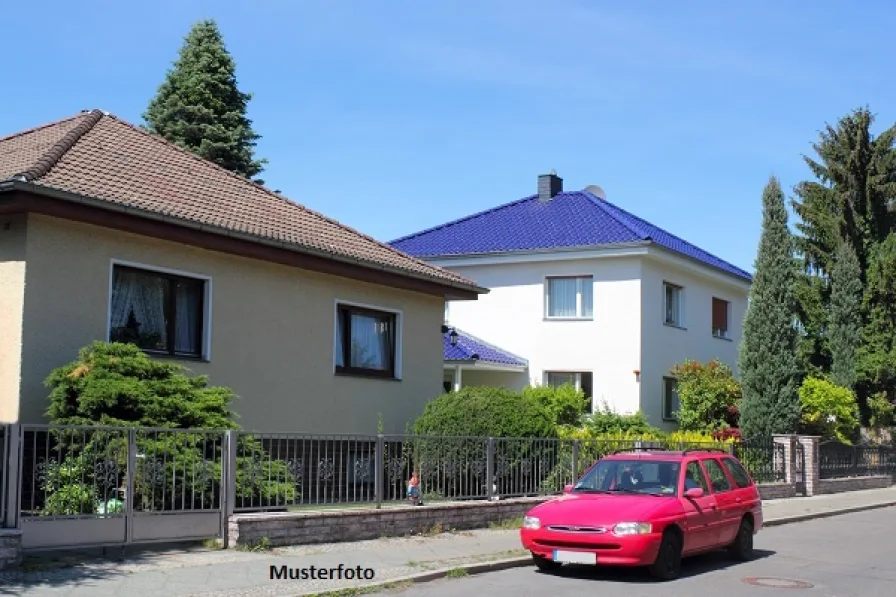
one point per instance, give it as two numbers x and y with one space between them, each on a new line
738 472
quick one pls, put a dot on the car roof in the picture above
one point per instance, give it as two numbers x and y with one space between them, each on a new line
665 455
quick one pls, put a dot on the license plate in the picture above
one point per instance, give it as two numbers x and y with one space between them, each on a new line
575 557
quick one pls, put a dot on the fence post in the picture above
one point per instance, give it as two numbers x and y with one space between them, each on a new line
379 465
575 460
490 467
13 476
854 464
228 482
130 484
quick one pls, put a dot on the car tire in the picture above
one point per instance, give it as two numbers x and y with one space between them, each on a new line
544 564
667 565
742 547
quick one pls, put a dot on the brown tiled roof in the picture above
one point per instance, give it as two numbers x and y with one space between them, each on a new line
102 157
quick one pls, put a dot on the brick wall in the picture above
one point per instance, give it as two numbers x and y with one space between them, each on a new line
10 548
854 484
357 525
777 491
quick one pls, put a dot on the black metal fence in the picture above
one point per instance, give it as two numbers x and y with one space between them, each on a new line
838 460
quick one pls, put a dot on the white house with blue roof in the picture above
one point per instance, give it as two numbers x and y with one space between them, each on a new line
585 292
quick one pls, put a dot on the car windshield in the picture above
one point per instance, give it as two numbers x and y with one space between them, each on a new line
636 476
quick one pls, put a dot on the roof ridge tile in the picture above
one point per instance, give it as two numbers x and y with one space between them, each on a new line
52 156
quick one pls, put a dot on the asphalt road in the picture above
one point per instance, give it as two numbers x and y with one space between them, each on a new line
841 556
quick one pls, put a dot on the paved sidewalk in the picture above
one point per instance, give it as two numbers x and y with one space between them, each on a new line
231 573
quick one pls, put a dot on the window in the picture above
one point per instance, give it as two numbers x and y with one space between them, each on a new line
672 304
365 342
720 310
159 312
717 476
738 472
694 477
670 398
570 298
582 380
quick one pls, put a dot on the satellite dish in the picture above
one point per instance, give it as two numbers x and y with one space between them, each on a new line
597 191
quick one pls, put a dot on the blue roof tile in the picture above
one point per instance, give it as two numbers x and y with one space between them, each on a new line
572 219
470 347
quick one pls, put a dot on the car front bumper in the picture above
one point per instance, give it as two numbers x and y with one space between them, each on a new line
632 550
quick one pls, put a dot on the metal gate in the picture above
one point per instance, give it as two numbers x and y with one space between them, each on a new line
105 486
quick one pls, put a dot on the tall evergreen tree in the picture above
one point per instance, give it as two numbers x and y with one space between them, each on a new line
768 363
854 187
845 329
199 106
877 355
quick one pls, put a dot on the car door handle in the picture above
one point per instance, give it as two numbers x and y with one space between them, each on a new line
714 507
738 500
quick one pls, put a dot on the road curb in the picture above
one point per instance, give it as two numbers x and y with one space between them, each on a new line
518 562
431 575
773 522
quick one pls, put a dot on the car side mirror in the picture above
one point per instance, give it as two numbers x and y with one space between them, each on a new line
693 493
567 489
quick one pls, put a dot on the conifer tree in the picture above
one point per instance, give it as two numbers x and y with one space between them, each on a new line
845 329
200 108
768 364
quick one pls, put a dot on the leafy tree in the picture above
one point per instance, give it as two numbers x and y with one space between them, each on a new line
853 188
708 396
877 355
200 108
767 360
845 329
828 410
484 412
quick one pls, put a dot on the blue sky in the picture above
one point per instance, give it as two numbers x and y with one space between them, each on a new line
396 116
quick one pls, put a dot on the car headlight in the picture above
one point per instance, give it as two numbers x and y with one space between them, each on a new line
530 522
632 528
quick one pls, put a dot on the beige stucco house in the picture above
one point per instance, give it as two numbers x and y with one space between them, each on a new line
110 233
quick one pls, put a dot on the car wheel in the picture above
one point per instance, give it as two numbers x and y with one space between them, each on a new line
545 564
667 565
742 548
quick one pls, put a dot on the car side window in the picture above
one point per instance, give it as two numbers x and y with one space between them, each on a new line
717 476
694 477
738 472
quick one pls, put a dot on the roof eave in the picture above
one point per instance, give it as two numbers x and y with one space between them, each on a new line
575 249
22 185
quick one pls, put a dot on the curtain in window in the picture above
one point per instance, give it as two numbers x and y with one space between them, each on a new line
719 315
371 342
671 305
558 379
587 285
189 312
562 297
139 309
340 334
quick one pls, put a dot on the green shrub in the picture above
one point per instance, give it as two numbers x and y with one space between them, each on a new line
566 404
708 396
486 412
604 421
828 410
882 415
118 385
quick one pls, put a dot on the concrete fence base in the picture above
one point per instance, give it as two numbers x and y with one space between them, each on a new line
10 548
296 528
854 484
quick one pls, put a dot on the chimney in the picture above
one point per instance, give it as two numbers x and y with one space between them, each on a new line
549 185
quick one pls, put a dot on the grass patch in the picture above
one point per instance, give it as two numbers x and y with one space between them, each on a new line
398 585
457 573
511 524
263 544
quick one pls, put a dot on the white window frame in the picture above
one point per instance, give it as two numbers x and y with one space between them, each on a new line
581 280
206 340
679 315
399 334
546 378
667 399
447 311
727 333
